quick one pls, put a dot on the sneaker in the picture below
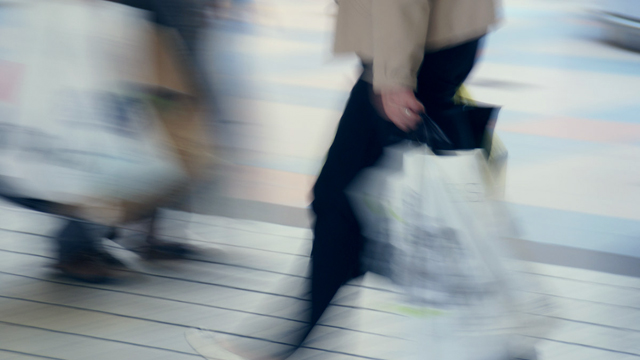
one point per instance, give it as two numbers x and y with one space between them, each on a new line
210 345
215 346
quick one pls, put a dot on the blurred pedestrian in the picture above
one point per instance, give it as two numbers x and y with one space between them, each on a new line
415 55
80 254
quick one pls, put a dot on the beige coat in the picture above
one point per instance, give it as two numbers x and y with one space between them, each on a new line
394 34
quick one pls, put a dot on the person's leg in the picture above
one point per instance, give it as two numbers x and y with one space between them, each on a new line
338 241
73 240
157 248
80 252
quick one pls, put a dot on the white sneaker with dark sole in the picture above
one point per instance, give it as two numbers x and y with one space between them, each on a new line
209 345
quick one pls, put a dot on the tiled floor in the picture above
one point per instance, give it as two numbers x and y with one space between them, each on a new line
247 267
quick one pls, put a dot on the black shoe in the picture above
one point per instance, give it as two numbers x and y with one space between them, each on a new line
85 268
106 258
81 257
165 250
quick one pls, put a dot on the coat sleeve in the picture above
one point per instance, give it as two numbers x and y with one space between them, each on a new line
399 37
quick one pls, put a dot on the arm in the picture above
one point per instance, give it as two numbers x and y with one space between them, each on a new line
399 36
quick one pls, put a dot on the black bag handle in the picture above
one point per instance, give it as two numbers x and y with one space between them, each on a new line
430 134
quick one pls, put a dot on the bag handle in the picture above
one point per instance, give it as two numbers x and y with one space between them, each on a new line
430 134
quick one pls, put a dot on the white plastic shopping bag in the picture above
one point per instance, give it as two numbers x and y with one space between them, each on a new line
434 230
74 134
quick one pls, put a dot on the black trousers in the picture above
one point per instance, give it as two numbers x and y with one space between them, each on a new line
361 136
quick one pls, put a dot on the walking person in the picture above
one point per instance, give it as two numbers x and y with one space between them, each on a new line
415 55
80 253
179 30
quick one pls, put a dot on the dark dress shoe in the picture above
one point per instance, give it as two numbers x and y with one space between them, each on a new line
85 268
165 250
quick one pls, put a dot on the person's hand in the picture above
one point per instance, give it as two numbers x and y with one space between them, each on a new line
401 107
